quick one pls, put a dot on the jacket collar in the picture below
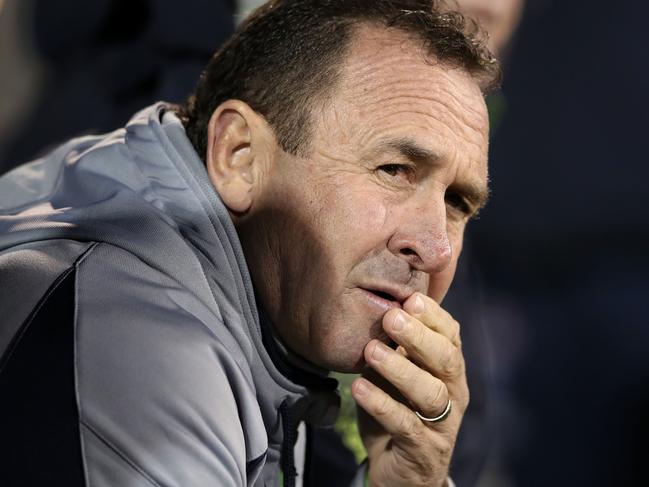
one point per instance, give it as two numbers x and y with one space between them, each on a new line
279 376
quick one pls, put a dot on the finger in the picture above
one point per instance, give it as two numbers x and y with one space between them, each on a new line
396 418
431 314
426 393
427 348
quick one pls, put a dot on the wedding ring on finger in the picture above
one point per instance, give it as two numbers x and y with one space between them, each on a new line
436 419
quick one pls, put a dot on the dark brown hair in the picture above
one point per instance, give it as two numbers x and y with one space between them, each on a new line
288 54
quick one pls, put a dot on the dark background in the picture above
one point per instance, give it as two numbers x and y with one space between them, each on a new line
563 249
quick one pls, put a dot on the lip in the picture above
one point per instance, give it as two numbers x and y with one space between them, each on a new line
380 302
398 292
384 305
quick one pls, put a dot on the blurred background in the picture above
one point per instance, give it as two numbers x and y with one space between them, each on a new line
563 248
553 287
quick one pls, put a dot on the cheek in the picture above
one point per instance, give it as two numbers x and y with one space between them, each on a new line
358 219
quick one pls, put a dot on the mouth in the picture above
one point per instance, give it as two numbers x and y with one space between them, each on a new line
385 295
382 299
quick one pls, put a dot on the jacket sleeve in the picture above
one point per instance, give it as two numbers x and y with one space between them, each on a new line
110 376
159 395
40 442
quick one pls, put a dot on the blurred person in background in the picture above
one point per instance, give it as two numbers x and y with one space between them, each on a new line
499 18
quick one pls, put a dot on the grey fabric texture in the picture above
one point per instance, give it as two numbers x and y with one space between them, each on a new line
174 385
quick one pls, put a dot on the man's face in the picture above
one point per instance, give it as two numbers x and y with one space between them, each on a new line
398 163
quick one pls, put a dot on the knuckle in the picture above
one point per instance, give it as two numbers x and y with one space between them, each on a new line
400 372
435 396
461 396
423 339
444 448
415 333
455 332
451 363
383 407
402 375
414 337
407 425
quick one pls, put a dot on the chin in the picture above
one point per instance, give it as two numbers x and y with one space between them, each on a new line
350 367
359 368
344 352
341 331
346 367
339 357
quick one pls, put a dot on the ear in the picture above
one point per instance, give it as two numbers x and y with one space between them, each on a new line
236 154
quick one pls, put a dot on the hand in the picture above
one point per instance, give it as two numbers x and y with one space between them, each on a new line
425 371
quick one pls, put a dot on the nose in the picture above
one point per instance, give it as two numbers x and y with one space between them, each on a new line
422 239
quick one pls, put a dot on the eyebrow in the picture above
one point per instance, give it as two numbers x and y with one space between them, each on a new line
410 149
476 194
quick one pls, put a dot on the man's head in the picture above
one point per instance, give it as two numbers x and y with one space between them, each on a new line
286 57
351 181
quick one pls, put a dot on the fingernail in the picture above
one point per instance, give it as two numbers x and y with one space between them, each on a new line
399 322
361 387
379 352
418 304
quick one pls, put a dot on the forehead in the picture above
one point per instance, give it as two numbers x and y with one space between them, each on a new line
390 89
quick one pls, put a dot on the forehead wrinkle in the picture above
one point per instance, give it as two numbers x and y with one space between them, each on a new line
442 128
372 83
446 107
461 107
391 78
367 68
391 65
433 108
379 92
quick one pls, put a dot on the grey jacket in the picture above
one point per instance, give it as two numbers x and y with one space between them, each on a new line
132 351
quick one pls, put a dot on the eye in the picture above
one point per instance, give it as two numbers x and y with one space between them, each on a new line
458 203
395 169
